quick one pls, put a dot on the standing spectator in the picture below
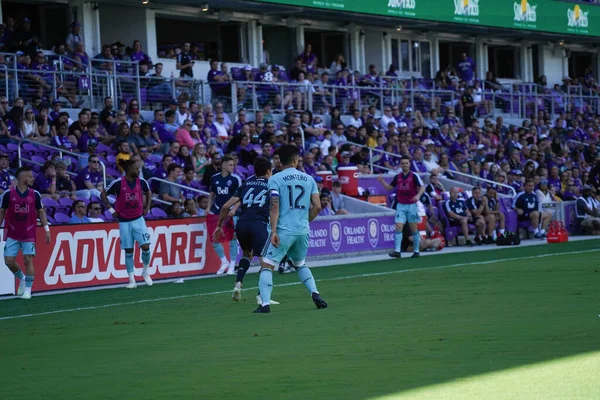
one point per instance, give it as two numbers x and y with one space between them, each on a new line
466 69
185 62
74 38
469 107
309 59
137 54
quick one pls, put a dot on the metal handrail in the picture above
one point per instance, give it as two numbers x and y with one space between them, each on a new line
59 150
478 178
178 185
581 143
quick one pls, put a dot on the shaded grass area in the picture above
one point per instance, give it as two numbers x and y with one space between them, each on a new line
382 334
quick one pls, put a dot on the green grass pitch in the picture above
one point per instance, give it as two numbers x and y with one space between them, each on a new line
515 323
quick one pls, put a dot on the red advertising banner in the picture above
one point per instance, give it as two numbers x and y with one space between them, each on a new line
90 255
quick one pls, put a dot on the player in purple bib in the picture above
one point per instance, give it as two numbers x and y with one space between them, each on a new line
133 202
20 208
409 189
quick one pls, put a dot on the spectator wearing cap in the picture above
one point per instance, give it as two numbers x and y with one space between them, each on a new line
87 149
74 37
45 181
361 160
5 180
345 160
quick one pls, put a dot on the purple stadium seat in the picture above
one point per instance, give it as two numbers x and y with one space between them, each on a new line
48 202
61 218
51 219
108 216
65 201
158 213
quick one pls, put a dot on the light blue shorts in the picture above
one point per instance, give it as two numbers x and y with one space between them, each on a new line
12 247
295 247
407 213
133 231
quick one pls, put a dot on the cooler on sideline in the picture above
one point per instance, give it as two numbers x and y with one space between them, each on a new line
327 179
348 177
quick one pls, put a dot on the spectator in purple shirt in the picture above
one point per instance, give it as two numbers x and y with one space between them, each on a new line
219 81
466 69
45 181
89 181
137 54
309 59
62 139
189 181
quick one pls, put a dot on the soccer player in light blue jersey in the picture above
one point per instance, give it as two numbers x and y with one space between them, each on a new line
294 203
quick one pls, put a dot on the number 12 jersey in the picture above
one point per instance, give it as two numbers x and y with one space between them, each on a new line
294 189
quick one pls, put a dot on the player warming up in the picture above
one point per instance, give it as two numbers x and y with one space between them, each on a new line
133 202
409 189
294 203
222 187
252 226
20 208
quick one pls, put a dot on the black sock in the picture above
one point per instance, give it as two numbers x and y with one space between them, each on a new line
242 269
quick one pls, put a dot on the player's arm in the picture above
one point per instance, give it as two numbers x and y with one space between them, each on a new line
386 185
421 187
232 202
315 207
211 200
148 198
113 189
3 206
42 216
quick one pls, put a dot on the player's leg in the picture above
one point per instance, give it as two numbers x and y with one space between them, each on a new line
400 220
211 223
413 220
464 225
29 270
245 241
535 222
490 221
127 242
271 258
297 254
11 249
545 217
141 235
501 222
233 250
480 228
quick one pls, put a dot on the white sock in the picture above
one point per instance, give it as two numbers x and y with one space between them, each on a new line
536 230
502 231
131 277
542 231
145 270
224 260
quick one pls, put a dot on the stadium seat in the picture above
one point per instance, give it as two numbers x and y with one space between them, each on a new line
65 201
158 213
50 203
61 218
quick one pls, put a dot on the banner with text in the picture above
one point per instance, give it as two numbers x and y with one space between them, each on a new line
90 255
534 15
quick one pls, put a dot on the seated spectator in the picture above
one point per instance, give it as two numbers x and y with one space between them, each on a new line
62 140
78 211
124 154
326 209
190 181
432 220
459 215
94 210
203 202
89 182
5 180
494 212
587 211
168 192
192 210
176 210
337 199
477 205
528 208
45 181
212 169
435 189
64 185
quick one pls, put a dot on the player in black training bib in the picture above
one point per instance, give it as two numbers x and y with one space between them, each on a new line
251 229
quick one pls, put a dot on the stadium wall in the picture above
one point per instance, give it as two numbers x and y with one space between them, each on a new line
89 255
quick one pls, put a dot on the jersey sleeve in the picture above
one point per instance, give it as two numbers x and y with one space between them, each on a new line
273 187
313 189
114 188
418 180
38 201
5 200
145 185
239 192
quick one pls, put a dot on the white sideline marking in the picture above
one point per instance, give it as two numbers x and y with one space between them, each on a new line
293 284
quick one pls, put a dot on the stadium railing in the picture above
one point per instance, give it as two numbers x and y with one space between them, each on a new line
61 152
159 180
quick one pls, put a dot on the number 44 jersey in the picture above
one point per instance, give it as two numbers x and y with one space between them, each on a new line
294 189
253 195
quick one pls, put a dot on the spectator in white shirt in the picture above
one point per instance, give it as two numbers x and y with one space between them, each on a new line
338 136
355 119
182 113
387 118
337 200
222 131
74 37
94 210
428 159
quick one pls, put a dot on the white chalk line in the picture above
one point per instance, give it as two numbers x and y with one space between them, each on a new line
129 303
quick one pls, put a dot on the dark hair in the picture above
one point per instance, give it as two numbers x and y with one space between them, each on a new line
91 204
261 166
476 188
49 164
125 164
24 168
170 114
337 184
187 169
287 153
404 158
173 167
166 156
226 159
74 205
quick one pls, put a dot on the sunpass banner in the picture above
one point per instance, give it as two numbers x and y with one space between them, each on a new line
535 15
